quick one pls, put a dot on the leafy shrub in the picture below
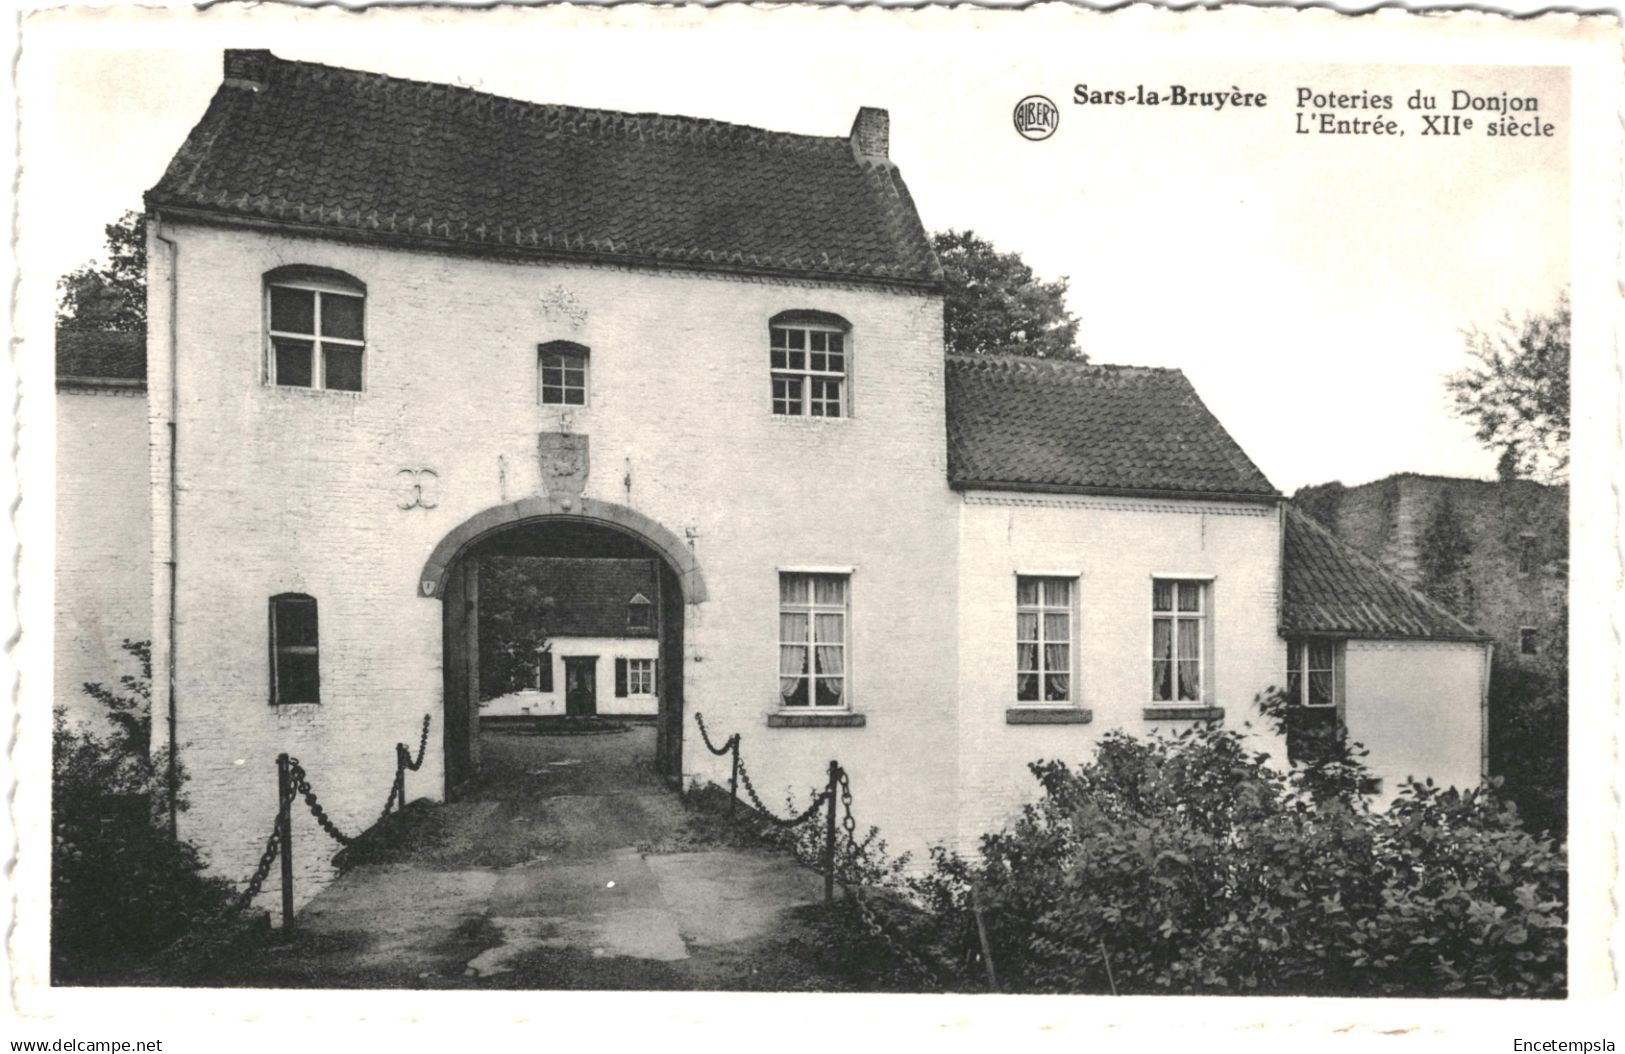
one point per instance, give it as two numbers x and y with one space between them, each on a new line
1529 737
121 888
1193 864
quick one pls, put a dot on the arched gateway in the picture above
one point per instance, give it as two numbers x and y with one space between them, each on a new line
562 527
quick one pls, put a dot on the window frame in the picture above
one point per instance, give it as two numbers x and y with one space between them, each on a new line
640 676
808 323
641 605
1041 609
276 648
322 283
564 349
1203 617
812 609
1298 657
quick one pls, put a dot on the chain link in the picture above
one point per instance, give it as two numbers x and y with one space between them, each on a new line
761 806
705 734
893 945
273 845
423 745
296 775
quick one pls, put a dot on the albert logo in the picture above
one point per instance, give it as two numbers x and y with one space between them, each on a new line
1036 118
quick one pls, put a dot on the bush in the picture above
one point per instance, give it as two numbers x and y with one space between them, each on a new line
1192 864
121 888
1529 740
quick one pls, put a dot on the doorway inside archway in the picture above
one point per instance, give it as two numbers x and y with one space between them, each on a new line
557 622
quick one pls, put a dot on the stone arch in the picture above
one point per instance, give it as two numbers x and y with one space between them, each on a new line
432 580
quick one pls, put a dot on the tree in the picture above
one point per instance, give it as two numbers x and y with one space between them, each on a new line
111 295
994 303
1516 393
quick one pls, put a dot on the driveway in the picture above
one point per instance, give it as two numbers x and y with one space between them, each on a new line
569 866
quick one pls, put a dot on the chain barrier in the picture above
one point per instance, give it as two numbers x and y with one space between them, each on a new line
423 745
297 776
761 806
273 846
851 884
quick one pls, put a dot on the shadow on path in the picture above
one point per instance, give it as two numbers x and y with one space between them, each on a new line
568 865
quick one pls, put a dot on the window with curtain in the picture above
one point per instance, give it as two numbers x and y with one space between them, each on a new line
812 640
1312 719
317 329
295 662
1178 610
1311 676
1043 639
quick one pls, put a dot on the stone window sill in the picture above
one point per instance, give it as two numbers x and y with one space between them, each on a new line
1184 713
781 719
1055 715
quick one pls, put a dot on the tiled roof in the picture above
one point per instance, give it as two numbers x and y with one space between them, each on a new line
589 596
1026 423
437 165
101 355
1331 588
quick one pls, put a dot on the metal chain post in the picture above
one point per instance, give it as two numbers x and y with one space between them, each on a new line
284 819
829 834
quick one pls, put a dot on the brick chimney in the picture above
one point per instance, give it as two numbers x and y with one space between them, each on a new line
871 134
249 69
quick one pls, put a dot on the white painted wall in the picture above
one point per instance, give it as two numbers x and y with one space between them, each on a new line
294 490
539 704
1115 546
1417 706
103 540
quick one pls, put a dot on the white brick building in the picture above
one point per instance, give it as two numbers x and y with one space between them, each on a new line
399 329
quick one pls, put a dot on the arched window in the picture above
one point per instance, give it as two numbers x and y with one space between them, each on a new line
316 326
562 373
295 650
809 356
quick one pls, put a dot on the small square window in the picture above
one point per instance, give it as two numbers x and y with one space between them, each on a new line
563 374
1528 641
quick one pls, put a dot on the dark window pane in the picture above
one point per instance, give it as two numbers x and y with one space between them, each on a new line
1190 596
295 622
829 691
817 339
820 361
835 342
798 338
778 361
342 368
296 677
780 337
575 396
1161 680
798 697
1027 688
293 363
293 310
1162 595
798 360
341 316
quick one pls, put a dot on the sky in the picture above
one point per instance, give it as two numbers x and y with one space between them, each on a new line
1313 287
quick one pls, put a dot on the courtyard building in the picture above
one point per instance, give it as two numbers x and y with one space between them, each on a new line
409 340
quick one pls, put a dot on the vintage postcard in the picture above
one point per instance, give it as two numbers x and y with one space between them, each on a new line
611 519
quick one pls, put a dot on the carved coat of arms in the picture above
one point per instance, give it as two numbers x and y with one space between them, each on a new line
564 463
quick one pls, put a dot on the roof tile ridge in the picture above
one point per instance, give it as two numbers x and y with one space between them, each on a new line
590 120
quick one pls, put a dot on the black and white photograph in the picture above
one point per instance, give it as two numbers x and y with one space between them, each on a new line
1031 507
